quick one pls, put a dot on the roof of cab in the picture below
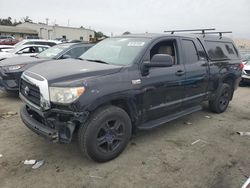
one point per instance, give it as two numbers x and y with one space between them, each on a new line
69 44
206 36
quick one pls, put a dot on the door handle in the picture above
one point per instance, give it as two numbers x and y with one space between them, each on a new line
180 73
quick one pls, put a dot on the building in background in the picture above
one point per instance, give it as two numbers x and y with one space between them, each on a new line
54 31
242 44
17 32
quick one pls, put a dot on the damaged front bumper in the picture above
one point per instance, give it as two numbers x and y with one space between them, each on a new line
9 81
55 125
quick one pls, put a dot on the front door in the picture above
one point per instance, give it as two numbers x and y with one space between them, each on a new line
162 87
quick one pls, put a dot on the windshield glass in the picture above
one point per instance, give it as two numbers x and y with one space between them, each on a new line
116 51
52 52
17 47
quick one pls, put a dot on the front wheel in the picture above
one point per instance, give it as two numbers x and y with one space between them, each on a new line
106 134
220 103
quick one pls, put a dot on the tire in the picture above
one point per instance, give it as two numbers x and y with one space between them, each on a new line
242 83
220 103
106 134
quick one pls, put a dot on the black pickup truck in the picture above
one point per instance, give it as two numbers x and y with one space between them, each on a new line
128 83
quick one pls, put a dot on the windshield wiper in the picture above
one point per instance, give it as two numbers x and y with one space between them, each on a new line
96 60
80 58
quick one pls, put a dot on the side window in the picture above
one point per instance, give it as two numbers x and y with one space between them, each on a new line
24 51
27 50
190 51
76 52
33 49
215 50
40 49
165 47
221 50
232 52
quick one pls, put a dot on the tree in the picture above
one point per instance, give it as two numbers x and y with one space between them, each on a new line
99 34
26 19
126 33
6 21
16 23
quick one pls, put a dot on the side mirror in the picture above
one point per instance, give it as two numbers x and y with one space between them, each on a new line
160 60
66 56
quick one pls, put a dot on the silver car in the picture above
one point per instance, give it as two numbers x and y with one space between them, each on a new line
245 77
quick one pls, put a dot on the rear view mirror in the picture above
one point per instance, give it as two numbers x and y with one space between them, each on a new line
160 60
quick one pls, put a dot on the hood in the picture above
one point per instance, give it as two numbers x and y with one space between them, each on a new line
72 69
20 60
246 67
4 55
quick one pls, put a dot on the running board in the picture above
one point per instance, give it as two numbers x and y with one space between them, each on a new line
166 119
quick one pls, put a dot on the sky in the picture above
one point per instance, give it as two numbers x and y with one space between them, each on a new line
136 16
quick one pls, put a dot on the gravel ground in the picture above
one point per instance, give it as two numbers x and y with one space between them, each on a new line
163 157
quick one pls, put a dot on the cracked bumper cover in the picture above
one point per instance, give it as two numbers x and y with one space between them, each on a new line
10 81
53 129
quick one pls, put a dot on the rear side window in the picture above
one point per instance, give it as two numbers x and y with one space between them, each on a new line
190 51
221 50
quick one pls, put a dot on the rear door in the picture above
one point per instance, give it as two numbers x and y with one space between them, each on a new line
197 72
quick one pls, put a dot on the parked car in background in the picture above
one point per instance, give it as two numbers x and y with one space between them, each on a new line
12 68
6 37
20 44
25 50
245 57
8 40
127 83
37 41
245 77
5 48
61 39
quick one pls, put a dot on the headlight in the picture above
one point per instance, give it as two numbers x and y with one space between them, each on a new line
65 95
15 67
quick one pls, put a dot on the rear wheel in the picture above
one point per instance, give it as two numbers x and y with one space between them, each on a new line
106 134
220 103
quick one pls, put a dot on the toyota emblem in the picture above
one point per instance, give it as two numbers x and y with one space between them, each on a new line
27 90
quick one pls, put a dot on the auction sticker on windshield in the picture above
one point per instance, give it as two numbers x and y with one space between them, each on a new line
136 43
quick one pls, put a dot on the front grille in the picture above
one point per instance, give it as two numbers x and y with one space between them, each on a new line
247 71
32 92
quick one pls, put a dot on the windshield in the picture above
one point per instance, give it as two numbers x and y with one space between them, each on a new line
17 47
52 52
116 51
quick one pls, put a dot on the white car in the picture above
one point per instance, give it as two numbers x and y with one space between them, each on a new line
37 41
5 48
245 77
24 50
